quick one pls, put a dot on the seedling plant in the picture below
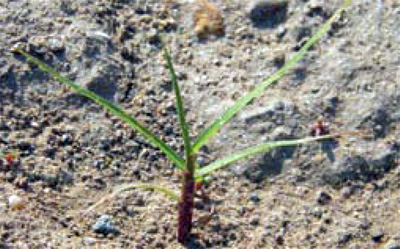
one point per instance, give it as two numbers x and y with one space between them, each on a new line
192 173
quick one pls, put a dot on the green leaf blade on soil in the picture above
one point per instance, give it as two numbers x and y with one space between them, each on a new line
153 139
213 129
181 112
256 150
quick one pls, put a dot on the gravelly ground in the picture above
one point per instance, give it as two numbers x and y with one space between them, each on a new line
72 153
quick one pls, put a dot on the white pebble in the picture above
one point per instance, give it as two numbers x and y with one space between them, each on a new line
15 202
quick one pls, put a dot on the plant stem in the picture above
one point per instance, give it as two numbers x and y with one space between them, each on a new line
186 204
185 212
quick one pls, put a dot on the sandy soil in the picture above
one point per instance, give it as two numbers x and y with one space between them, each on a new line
70 153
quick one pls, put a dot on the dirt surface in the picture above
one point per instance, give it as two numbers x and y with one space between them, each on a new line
69 153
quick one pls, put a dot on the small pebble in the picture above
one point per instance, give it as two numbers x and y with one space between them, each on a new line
279 239
323 198
16 203
377 236
130 212
317 212
152 229
271 12
254 198
344 238
89 241
66 139
255 220
35 125
104 225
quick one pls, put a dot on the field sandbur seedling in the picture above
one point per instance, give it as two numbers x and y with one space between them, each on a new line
191 172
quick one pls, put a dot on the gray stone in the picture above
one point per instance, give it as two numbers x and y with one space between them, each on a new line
345 238
267 13
254 198
254 220
323 198
89 241
104 225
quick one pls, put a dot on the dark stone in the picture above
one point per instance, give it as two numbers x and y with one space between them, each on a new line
267 13
377 236
279 239
345 238
254 198
324 198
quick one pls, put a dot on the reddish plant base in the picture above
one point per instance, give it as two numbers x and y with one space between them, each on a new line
186 205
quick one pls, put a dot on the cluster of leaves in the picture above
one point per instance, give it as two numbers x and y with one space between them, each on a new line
188 163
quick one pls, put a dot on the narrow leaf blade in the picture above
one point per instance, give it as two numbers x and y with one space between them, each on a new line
179 106
257 91
256 150
153 139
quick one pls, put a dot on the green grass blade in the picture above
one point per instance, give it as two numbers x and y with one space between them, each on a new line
257 91
255 150
119 189
153 139
179 106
